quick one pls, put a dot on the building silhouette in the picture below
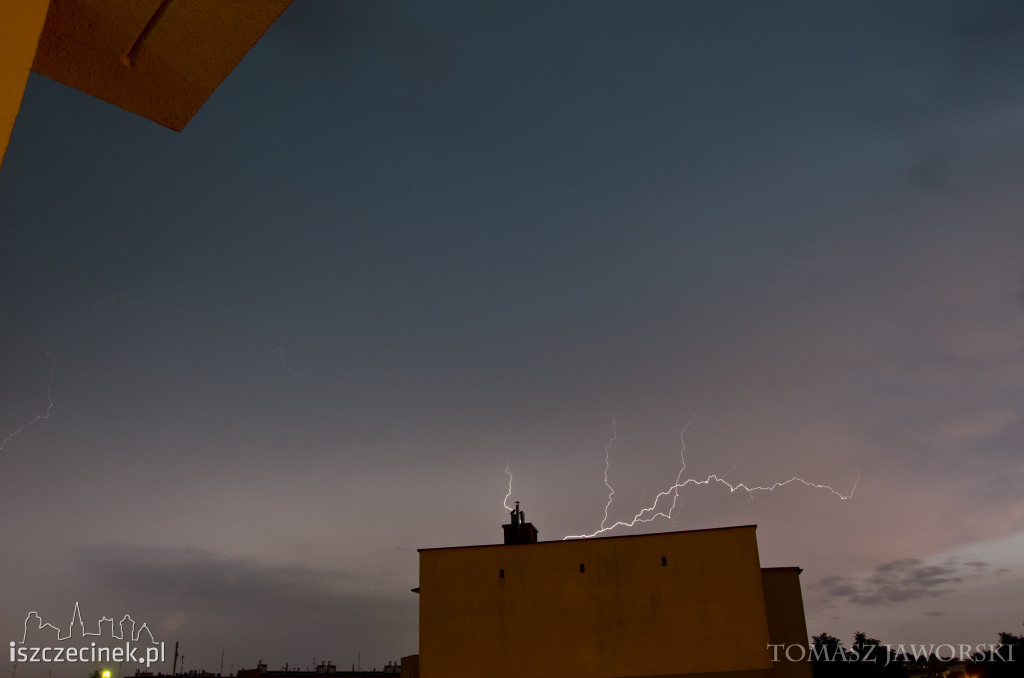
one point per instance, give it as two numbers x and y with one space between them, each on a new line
694 603
324 668
161 60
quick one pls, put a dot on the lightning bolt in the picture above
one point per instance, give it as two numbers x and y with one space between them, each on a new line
123 301
49 396
607 465
509 493
682 461
651 512
113 300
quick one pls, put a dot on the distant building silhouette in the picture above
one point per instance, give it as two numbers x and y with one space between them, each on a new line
325 668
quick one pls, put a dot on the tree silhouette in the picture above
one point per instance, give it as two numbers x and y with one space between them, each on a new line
872 659
828 657
866 658
1005 661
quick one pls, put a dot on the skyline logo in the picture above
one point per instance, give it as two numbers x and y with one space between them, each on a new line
137 644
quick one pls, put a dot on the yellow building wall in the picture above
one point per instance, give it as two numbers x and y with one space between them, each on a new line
626 614
160 59
786 622
21 24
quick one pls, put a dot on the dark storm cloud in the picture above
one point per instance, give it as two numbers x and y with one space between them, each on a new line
407 243
903 580
185 573
986 22
288 612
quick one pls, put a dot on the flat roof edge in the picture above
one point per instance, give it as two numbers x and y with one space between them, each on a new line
619 536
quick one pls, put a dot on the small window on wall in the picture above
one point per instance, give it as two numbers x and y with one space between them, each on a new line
501 573
581 568
664 561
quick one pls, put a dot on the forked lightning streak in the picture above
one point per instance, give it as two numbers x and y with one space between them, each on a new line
651 512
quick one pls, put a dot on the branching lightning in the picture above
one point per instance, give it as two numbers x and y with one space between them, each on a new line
110 301
651 512
49 397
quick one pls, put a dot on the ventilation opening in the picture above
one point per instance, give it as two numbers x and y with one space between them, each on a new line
581 568
664 561
501 573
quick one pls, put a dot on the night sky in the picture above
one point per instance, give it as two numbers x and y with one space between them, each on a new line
407 245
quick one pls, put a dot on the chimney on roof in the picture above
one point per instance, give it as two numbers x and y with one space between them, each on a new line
518 531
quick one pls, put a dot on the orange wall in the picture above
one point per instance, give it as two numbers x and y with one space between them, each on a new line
786 622
21 23
159 59
626 615
177 63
